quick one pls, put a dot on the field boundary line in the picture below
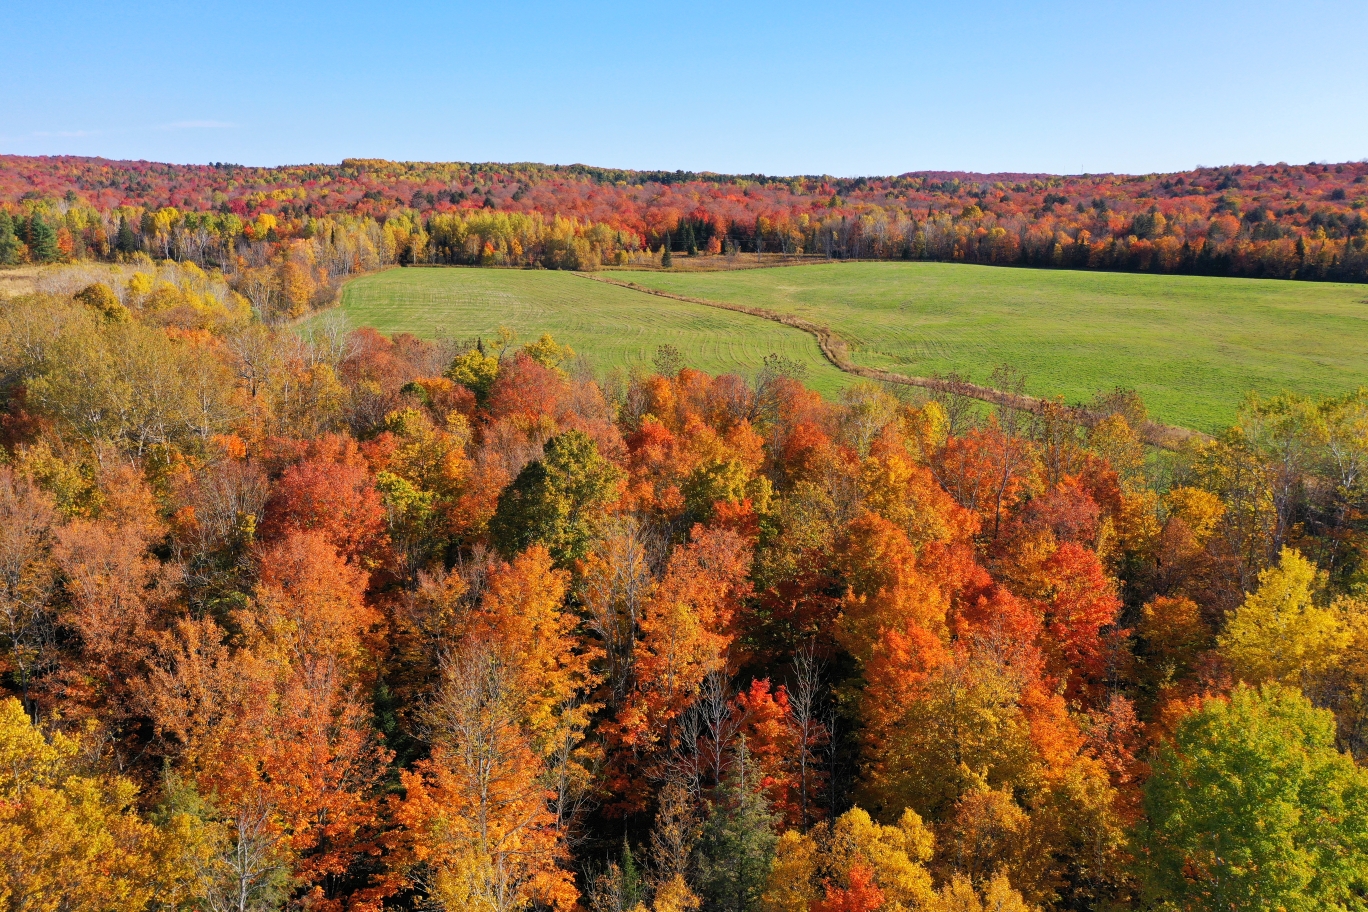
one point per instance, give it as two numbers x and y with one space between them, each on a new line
336 302
837 351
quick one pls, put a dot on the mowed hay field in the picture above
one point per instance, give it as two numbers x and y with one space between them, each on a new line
613 327
1192 346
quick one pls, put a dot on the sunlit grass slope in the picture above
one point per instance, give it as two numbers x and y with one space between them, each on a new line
613 327
1192 346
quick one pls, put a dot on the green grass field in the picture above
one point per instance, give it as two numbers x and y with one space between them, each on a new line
613 327
1192 346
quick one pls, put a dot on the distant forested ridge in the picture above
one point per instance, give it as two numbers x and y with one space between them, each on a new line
1281 221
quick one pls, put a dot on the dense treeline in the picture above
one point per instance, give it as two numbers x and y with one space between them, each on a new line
1282 221
284 272
338 621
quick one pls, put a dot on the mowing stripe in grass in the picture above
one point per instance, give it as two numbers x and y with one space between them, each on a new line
835 349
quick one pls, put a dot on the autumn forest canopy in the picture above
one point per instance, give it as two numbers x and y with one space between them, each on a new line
1280 221
295 615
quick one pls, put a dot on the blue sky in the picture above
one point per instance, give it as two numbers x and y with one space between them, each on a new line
781 88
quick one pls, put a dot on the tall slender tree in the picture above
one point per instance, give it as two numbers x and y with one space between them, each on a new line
125 242
9 243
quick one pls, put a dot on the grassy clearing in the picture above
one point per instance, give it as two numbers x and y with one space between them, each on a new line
614 327
19 280
1192 346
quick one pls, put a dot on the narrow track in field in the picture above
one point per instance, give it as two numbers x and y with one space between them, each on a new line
837 351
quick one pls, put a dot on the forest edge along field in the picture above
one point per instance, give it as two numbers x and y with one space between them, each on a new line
1192 346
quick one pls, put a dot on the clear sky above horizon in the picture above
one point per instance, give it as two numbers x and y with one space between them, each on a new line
780 88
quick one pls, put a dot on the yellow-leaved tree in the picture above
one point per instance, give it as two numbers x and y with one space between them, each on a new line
856 863
1279 633
70 838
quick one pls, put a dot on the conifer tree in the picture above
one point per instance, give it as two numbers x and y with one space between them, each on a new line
125 242
736 847
9 244
42 239
632 887
666 260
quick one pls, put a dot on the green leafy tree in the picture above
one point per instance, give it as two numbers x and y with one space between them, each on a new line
549 353
1251 807
475 370
558 500
668 361
715 481
9 243
736 846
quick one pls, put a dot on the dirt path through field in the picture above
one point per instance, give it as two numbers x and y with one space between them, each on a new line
835 350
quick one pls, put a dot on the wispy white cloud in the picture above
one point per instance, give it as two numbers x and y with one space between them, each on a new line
197 125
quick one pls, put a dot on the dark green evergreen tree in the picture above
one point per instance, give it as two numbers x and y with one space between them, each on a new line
42 240
736 847
633 890
126 241
9 243
619 888
666 260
